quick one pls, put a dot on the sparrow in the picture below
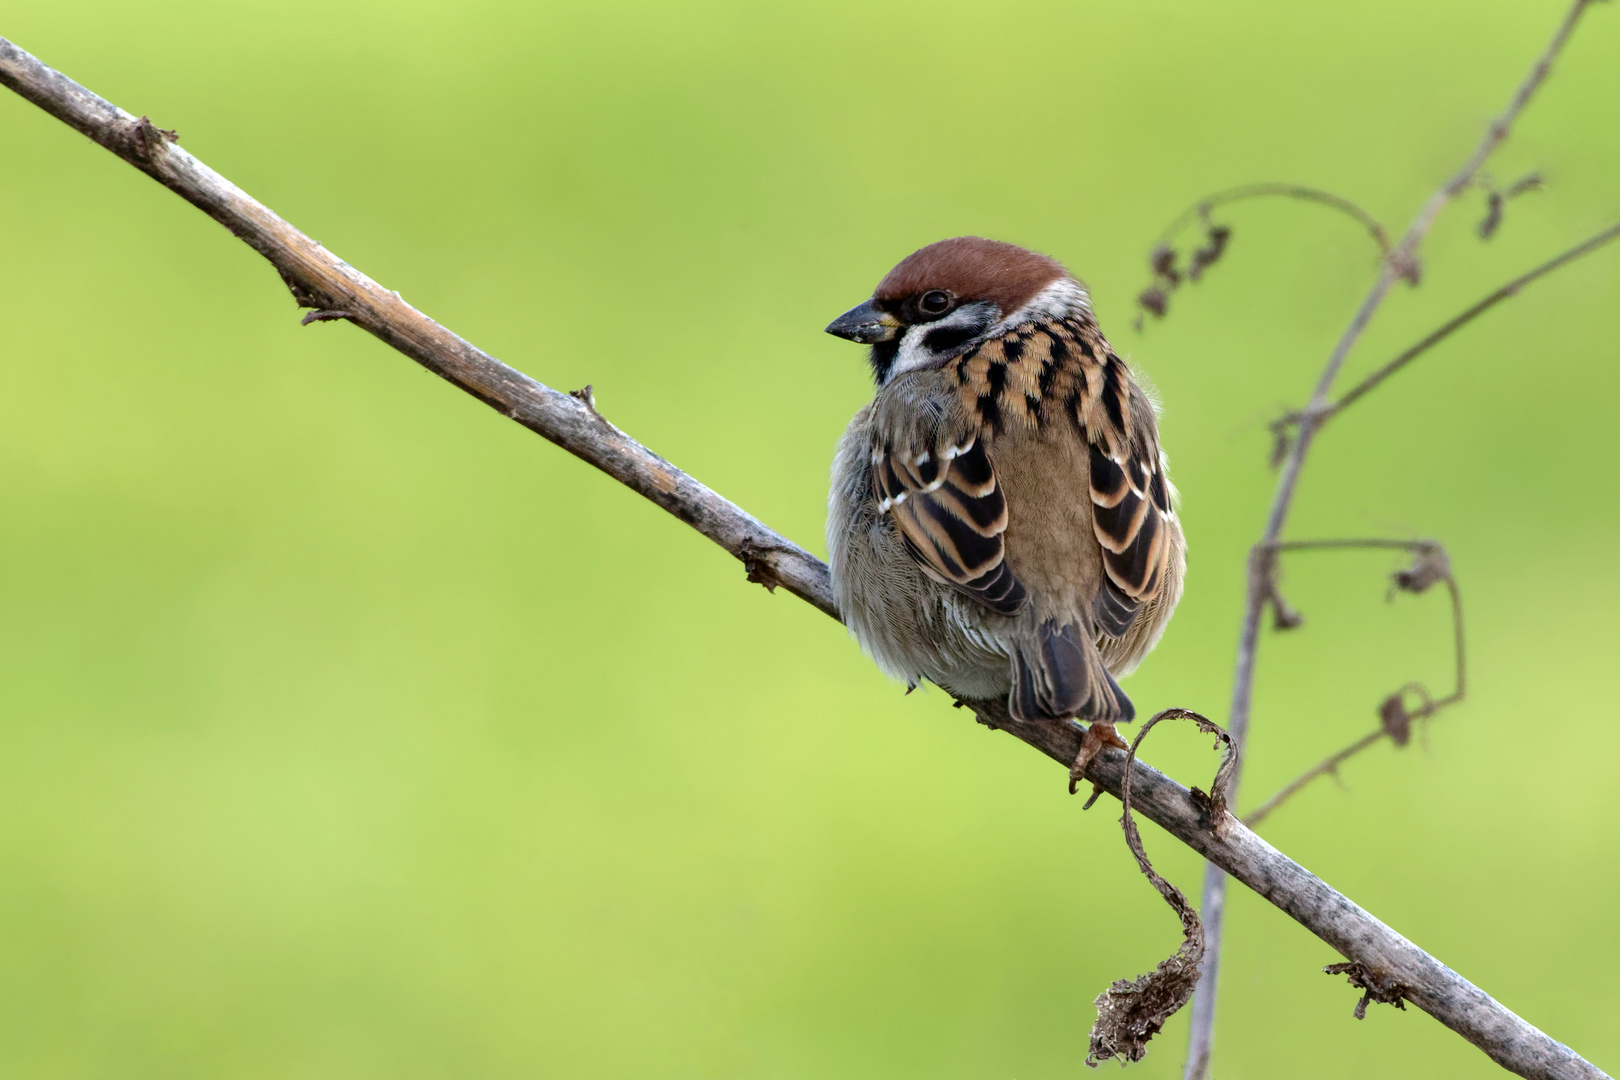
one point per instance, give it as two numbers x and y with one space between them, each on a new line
1001 520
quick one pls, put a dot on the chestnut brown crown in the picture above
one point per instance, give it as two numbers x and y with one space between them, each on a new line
970 268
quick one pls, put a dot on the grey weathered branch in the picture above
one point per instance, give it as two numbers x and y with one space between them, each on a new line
321 281
1402 264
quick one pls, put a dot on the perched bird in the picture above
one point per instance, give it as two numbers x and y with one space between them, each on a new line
1001 519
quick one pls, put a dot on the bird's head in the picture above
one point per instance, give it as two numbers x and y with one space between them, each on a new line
950 294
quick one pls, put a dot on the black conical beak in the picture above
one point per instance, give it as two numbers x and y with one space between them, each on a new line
865 324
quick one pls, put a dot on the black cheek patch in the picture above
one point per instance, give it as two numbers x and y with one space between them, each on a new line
882 359
947 338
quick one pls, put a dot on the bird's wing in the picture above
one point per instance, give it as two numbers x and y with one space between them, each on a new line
1130 497
951 514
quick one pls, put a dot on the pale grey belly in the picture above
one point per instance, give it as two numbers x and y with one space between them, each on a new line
912 626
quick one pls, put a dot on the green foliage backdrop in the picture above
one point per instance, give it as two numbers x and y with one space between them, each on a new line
348 730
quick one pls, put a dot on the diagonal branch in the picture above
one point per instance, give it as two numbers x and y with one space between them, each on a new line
1403 263
321 281
1329 766
1282 426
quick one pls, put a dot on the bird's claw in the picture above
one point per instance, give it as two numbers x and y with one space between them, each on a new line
1097 736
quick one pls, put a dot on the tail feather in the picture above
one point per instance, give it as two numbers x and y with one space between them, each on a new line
1061 675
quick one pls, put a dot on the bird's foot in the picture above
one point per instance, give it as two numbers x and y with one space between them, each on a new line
1097 736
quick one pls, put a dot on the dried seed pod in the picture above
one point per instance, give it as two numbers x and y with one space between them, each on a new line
1430 564
1154 301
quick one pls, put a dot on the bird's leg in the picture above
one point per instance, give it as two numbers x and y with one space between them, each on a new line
1097 736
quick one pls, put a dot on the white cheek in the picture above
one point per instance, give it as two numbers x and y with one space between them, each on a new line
913 355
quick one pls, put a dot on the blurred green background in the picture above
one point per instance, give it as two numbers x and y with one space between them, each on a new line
349 730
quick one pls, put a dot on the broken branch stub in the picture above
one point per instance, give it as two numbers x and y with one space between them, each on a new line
1375 987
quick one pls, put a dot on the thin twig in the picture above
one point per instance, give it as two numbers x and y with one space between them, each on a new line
1430 566
1324 768
1385 543
1395 719
1447 328
1201 209
1168 275
321 280
1401 264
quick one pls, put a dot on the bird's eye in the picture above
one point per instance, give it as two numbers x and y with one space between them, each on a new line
934 302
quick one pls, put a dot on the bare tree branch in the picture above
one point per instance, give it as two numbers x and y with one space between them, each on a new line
321 281
1283 425
1327 767
1402 264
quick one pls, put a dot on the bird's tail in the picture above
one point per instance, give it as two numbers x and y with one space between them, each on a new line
1060 674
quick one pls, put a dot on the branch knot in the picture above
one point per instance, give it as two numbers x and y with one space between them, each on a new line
756 560
143 139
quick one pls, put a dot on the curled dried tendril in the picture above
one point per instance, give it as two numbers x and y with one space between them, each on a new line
1131 1011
